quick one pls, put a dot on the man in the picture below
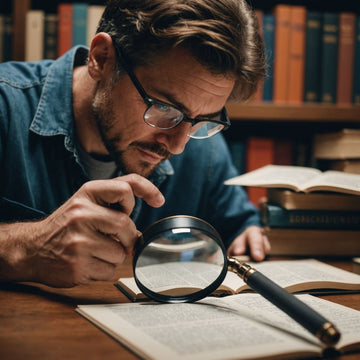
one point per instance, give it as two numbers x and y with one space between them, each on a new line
86 140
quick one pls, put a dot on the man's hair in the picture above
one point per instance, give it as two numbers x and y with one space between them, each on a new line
222 35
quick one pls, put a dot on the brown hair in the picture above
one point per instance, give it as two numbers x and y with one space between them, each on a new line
222 35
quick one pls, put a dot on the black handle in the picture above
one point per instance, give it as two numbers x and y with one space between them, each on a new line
287 302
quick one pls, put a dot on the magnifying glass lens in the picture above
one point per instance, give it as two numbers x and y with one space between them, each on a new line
178 264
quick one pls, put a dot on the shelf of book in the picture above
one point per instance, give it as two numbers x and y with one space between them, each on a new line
306 112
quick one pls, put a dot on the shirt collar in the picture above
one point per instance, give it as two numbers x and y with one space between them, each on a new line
54 117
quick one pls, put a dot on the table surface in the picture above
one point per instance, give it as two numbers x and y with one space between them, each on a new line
38 322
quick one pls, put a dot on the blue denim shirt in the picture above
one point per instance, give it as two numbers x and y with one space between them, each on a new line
40 169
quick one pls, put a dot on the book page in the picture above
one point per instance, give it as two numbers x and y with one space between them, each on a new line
292 177
294 275
185 275
213 329
308 274
335 181
347 320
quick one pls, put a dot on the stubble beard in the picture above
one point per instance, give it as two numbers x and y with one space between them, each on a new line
104 115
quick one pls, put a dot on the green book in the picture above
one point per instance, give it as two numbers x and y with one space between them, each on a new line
313 44
330 42
278 217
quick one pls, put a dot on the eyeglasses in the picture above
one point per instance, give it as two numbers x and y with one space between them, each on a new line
161 115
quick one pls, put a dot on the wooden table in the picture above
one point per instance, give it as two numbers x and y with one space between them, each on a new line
38 322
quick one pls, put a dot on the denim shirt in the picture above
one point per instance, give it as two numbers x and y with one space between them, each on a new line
40 169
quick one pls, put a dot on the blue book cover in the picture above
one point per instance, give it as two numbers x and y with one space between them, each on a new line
329 62
278 217
268 34
313 44
356 88
79 23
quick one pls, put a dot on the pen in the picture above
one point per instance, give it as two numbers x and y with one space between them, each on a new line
291 305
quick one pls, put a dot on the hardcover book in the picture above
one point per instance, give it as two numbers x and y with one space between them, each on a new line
281 54
299 178
289 199
345 73
344 144
268 34
259 152
329 62
50 36
244 326
65 27
305 275
275 216
313 242
347 165
34 35
295 93
356 88
93 17
79 21
313 43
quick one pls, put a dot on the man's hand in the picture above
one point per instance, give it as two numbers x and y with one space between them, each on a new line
83 240
252 238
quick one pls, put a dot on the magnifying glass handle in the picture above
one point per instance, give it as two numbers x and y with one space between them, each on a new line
287 302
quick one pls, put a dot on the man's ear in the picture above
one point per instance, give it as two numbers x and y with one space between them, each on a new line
102 57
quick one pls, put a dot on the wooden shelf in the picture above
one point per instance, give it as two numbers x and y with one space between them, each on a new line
304 112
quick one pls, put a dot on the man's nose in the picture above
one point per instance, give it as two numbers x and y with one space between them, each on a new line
175 139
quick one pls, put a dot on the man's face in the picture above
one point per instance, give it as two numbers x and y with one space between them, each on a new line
176 78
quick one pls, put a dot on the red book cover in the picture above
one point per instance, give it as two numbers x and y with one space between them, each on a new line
281 52
346 53
65 13
259 152
296 54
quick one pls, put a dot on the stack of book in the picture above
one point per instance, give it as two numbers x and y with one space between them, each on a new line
308 212
339 150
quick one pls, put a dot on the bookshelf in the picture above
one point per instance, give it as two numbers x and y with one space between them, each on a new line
307 112
248 119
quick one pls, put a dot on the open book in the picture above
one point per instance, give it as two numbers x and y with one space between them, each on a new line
244 326
299 178
305 275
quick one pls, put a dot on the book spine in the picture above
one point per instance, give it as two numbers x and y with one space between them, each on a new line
283 152
305 242
50 36
281 59
79 29
346 50
356 80
268 34
295 92
313 56
259 152
278 217
64 27
34 39
7 38
93 17
329 57
257 97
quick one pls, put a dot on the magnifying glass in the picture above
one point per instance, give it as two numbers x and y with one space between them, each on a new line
183 259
